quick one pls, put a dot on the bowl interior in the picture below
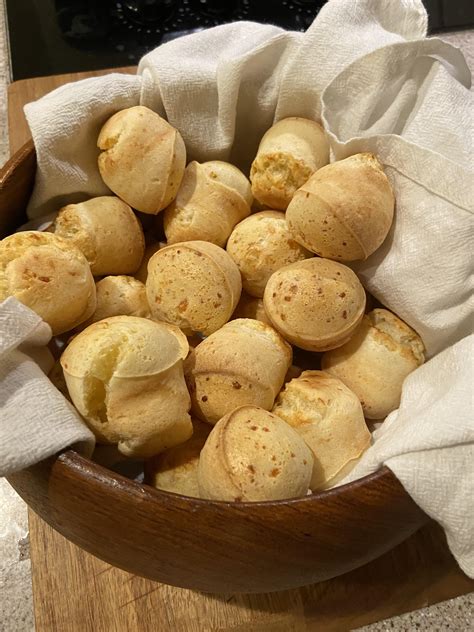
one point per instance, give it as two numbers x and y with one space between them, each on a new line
207 545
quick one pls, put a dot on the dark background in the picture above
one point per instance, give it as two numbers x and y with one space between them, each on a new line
58 36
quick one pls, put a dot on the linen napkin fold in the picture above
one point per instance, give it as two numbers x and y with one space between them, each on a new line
366 69
428 443
36 420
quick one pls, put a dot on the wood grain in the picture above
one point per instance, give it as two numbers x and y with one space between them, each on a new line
219 546
75 591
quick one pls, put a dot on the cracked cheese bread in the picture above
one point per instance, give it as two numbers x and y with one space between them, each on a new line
125 376
288 154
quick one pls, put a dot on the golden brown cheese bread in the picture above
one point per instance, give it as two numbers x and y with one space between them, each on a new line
289 152
49 275
244 362
253 455
125 376
176 470
251 307
194 285
260 245
345 210
376 360
106 231
329 417
315 304
119 296
213 197
142 158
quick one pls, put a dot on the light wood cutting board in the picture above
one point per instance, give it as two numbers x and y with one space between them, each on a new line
75 592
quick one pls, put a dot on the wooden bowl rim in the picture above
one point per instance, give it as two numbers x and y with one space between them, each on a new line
86 468
15 160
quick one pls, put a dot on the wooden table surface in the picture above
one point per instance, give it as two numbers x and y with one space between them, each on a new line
75 592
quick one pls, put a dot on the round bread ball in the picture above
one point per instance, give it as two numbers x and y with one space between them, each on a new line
289 152
253 455
329 417
119 296
176 470
142 158
251 307
213 197
260 245
376 360
125 377
194 285
345 210
49 275
106 231
315 304
244 362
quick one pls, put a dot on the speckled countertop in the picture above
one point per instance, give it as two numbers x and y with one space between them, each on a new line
16 604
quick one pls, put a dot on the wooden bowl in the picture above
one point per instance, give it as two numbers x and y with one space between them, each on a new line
201 544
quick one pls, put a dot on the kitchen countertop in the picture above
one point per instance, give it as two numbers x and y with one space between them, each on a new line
16 606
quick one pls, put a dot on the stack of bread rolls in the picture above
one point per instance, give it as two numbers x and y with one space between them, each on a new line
239 271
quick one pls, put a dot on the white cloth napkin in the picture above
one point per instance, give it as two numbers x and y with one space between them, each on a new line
36 421
429 445
378 85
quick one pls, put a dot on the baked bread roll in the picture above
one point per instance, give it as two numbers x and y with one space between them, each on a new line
126 296
194 285
49 275
345 210
142 158
251 307
376 360
253 455
329 417
106 231
289 152
315 304
119 296
142 273
125 376
245 362
213 197
260 245
176 470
